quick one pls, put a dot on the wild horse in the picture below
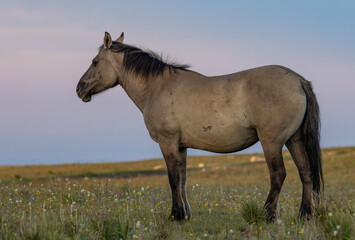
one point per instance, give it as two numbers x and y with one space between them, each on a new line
185 109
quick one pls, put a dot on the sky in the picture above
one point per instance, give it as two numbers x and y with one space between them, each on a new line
46 46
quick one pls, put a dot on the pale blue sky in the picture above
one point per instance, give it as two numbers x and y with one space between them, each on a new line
46 46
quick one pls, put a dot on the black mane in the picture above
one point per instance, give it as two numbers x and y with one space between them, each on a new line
145 63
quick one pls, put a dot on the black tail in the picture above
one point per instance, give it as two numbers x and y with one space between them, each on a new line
311 137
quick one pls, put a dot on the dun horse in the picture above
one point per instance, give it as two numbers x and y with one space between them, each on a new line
223 114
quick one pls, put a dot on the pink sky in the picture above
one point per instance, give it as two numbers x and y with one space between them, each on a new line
45 49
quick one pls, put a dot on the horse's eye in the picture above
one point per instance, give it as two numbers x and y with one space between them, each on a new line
94 63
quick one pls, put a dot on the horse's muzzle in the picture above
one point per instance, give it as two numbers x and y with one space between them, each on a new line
86 97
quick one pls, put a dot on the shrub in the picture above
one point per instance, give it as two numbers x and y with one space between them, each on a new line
252 213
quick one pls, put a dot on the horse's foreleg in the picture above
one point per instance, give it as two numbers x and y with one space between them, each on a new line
182 156
274 160
174 163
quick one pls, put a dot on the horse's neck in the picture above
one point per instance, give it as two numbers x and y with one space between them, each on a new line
137 88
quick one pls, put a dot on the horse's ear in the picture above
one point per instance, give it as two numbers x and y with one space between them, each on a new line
120 39
107 41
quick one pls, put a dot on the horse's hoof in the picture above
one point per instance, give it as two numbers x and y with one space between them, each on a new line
271 218
270 215
305 213
176 218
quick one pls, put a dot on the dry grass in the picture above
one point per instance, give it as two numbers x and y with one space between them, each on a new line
132 200
338 167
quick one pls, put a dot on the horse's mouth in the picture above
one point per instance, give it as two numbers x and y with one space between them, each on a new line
86 98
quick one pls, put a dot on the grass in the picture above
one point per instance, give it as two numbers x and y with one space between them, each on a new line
132 201
253 213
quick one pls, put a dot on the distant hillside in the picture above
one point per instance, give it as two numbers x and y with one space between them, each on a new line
342 157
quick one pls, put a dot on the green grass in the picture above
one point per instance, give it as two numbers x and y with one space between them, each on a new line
226 202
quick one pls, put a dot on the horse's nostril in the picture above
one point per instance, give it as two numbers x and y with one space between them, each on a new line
77 88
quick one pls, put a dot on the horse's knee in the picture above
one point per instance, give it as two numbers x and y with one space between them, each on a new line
277 178
282 174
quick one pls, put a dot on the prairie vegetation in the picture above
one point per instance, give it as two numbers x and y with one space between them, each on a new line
132 200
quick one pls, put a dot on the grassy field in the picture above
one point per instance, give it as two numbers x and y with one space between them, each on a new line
132 200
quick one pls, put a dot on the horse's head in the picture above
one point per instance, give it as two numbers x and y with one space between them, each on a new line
102 73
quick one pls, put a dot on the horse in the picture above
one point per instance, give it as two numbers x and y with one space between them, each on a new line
222 114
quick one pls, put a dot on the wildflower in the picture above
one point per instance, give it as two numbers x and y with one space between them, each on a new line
231 231
335 232
191 234
330 214
38 192
138 224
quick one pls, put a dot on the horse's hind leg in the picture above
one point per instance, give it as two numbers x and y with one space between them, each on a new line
274 160
298 153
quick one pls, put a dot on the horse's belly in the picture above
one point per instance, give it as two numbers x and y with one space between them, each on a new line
220 140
